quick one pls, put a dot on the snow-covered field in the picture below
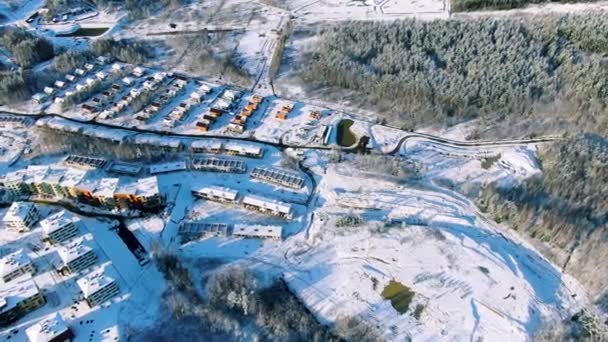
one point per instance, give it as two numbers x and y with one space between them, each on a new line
474 278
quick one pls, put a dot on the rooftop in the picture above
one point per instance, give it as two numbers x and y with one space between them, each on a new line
18 211
218 191
17 291
258 230
143 187
167 167
266 203
72 177
13 261
94 282
243 148
57 221
106 187
47 329
206 144
73 250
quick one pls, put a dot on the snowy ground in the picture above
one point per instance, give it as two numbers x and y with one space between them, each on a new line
444 261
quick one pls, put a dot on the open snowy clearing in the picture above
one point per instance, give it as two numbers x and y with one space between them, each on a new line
474 279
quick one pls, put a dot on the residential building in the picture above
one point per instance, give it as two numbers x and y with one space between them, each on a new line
205 146
15 265
19 298
97 287
15 183
59 227
278 177
190 231
104 193
268 206
218 165
217 194
244 150
39 98
21 216
258 231
143 194
167 167
51 329
70 180
76 256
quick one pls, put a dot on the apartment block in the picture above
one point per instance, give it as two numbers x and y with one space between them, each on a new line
19 298
21 216
59 227
15 265
77 256
97 287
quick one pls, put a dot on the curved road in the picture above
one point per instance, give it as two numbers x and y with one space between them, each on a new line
281 145
474 143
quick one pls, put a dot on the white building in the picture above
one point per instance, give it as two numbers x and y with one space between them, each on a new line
167 167
268 206
39 98
59 227
21 216
59 84
206 146
48 90
97 287
15 265
244 150
216 193
101 75
18 299
258 231
139 71
52 329
76 256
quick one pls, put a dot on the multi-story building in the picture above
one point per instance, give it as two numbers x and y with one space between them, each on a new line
143 194
268 206
49 185
15 183
51 329
15 265
21 216
18 299
74 184
59 227
97 287
70 180
105 192
216 193
76 256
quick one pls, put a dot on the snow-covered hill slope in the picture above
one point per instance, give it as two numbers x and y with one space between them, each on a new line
473 278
